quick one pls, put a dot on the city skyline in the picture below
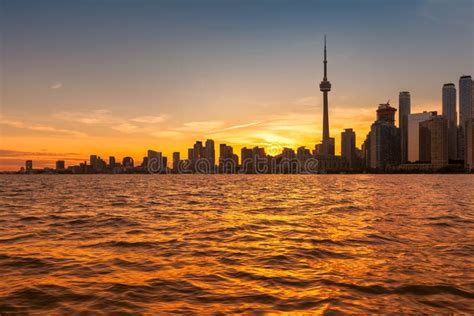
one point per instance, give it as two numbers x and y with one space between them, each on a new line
67 100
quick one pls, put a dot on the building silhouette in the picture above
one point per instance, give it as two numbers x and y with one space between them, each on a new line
414 121
348 147
381 148
127 162
404 109
210 152
433 141
228 161
469 152
466 100
60 165
112 162
176 161
449 112
29 165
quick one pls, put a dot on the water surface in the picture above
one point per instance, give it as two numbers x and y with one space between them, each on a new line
236 243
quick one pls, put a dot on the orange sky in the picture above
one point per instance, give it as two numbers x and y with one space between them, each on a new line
161 75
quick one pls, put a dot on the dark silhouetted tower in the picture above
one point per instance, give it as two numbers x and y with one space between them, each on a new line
449 112
327 147
404 107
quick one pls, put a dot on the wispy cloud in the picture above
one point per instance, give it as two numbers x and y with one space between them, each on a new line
200 126
99 116
105 118
126 128
239 126
40 128
56 85
149 119
18 153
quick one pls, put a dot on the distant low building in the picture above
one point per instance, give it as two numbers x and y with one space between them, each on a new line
60 165
29 165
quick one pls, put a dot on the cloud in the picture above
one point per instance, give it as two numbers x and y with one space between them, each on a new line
126 128
40 128
149 119
139 124
200 126
99 116
241 126
56 85
18 153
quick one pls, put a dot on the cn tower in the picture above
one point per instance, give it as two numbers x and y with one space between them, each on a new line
327 147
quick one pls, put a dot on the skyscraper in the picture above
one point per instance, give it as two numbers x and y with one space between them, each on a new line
465 99
382 146
348 146
210 152
327 146
198 150
449 112
112 162
155 161
228 161
176 161
404 107
466 107
93 162
414 133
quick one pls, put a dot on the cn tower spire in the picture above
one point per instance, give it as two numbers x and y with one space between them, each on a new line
325 61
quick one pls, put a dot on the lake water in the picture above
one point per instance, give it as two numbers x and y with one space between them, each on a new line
236 243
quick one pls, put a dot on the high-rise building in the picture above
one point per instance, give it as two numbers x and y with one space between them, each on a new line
60 165
176 161
386 113
198 150
465 99
228 161
155 161
327 145
414 133
382 146
404 108
469 152
245 155
466 107
210 152
93 162
112 162
348 146
433 142
449 112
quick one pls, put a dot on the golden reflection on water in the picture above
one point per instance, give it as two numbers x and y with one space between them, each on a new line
203 244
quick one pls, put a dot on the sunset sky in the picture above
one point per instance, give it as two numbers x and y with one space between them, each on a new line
120 77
